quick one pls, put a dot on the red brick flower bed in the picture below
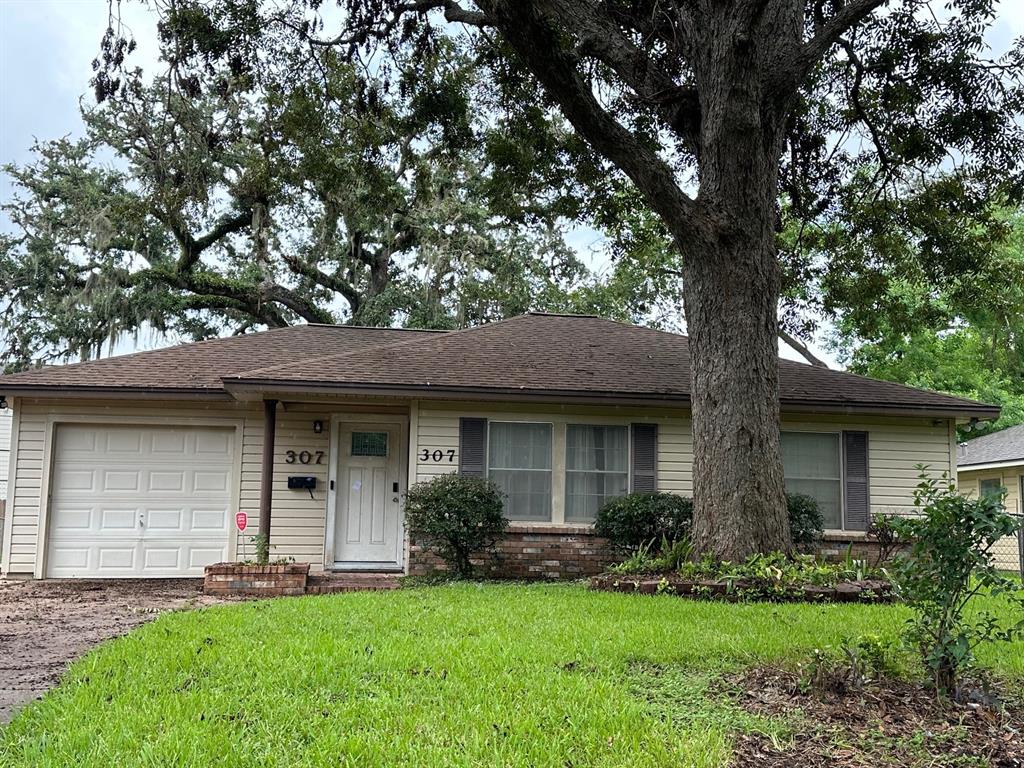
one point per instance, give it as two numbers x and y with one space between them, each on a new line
259 580
870 590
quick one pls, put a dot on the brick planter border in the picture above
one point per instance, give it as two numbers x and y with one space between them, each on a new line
869 591
256 580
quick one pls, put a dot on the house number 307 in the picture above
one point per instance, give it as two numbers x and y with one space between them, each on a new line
304 457
437 455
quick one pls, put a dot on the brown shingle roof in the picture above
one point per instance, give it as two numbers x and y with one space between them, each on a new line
200 366
572 354
539 354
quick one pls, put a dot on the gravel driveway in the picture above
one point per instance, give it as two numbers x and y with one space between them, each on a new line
44 625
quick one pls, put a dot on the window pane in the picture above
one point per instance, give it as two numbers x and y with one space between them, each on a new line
992 486
519 461
520 446
597 463
369 443
596 448
587 492
811 463
528 493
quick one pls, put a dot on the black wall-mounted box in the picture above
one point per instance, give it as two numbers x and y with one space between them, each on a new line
301 483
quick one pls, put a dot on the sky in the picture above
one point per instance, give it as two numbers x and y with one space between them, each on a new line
47 46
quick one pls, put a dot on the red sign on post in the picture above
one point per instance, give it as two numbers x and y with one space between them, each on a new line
241 520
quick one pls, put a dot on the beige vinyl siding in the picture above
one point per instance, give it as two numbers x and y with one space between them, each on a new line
1006 551
298 525
5 449
896 445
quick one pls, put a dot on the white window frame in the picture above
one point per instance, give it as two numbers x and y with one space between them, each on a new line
565 463
838 434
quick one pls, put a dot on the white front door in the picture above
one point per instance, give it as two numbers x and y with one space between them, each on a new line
368 525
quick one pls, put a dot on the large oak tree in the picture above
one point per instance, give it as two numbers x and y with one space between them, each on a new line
728 117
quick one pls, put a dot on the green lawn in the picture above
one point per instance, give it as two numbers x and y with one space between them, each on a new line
461 675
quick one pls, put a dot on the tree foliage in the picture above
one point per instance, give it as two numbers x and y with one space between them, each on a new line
729 119
307 191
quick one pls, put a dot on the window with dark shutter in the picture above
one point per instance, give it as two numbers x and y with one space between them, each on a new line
857 504
473 447
644 477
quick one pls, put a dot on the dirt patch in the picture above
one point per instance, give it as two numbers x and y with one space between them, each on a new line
889 723
44 625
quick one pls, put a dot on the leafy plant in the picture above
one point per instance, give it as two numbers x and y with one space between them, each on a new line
643 519
262 545
457 516
857 662
948 565
806 524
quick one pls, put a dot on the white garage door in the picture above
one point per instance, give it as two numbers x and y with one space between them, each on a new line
130 501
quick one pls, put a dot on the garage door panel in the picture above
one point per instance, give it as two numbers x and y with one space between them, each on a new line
144 502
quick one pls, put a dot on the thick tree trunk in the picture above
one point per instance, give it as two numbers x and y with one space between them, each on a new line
739 501
731 288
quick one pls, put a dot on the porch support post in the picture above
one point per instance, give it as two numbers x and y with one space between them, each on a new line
267 474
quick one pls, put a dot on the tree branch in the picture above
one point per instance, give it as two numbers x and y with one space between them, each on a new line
827 34
798 346
533 39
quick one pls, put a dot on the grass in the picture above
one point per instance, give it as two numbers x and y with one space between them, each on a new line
460 675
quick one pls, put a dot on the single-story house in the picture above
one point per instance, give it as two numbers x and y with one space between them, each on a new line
136 465
992 464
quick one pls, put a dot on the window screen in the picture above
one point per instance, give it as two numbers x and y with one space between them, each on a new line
596 468
369 443
811 462
519 461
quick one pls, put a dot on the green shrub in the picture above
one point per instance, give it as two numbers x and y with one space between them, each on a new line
644 519
457 516
949 562
806 525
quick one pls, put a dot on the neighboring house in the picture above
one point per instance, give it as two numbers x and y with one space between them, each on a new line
991 464
135 465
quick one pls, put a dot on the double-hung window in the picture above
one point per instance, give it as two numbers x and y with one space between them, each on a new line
519 462
596 468
812 466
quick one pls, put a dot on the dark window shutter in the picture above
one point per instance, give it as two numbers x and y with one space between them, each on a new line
473 447
857 504
645 458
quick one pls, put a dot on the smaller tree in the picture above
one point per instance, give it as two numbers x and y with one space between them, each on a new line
949 563
457 517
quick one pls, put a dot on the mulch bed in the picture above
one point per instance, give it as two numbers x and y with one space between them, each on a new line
890 723
868 591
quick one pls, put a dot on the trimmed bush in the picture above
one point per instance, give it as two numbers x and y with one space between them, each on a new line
456 516
806 525
644 519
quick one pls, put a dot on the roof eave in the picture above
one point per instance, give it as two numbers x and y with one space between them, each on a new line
253 389
74 391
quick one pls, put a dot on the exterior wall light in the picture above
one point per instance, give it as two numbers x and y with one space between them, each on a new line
318 426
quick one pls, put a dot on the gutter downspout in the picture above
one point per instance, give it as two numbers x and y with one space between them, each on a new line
267 474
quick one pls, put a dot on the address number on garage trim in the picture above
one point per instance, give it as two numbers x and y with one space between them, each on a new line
437 455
